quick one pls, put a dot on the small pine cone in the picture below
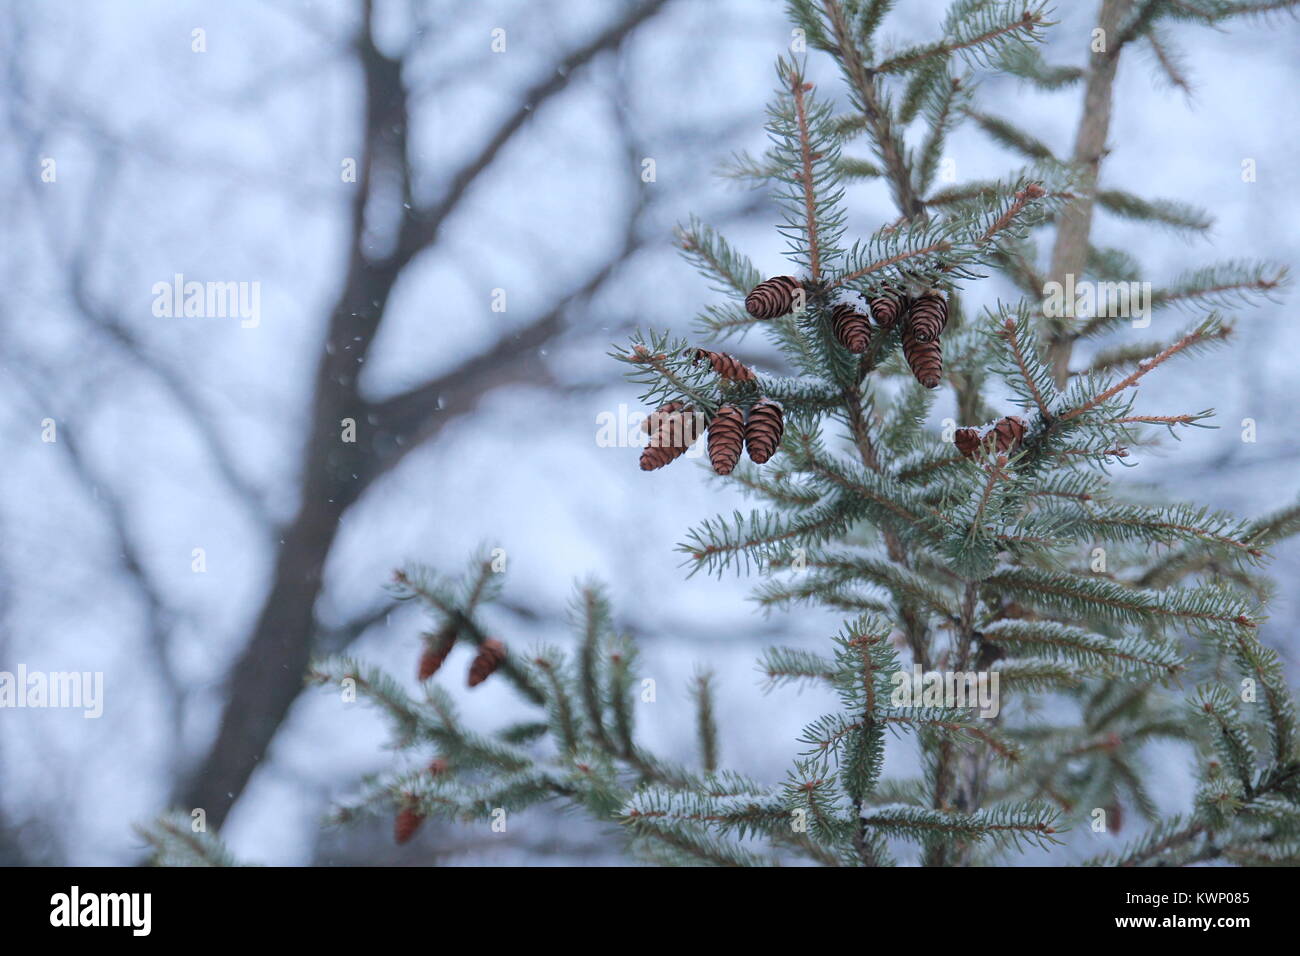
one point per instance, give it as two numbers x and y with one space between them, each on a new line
772 297
726 437
728 367
490 655
674 432
927 317
763 430
967 441
852 328
653 420
436 650
408 821
885 309
1009 433
924 358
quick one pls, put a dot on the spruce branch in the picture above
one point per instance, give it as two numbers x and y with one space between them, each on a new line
173 841
977 29
1208 332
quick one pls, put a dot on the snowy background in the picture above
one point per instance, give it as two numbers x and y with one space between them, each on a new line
176 434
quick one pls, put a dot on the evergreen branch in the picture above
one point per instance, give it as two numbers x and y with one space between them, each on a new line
1170 835
1087 596
958 725
687 841
784 665
1139 23
175 842
905 585
942 110
1225 285
1011 136
1271 528
549 663
1034 376
1208 331
875 112
1027 63
1169 62
798 89
713 256
1232 738
1130 655
1167 212
717 542
983 26
705 724
779 490
1030 823
594 618
815 589
851 168
722 322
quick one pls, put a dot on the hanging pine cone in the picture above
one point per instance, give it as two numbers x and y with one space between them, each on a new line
727 366
1009 432
924 358
674 432
927 317
726 437
655 418
967 441
852 328
490 656
763 430
436 649
772 297
886 309
408 820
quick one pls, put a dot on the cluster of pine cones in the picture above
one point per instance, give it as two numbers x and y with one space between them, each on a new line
491 655
674 427
1005 436
923 318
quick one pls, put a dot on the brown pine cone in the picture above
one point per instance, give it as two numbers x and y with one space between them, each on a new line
674 432
772 297
408 821
886 309
1009 432
436 648
927 317
967 441
852 328
655 418
924 358
763 430
491 654
728 367
726 437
